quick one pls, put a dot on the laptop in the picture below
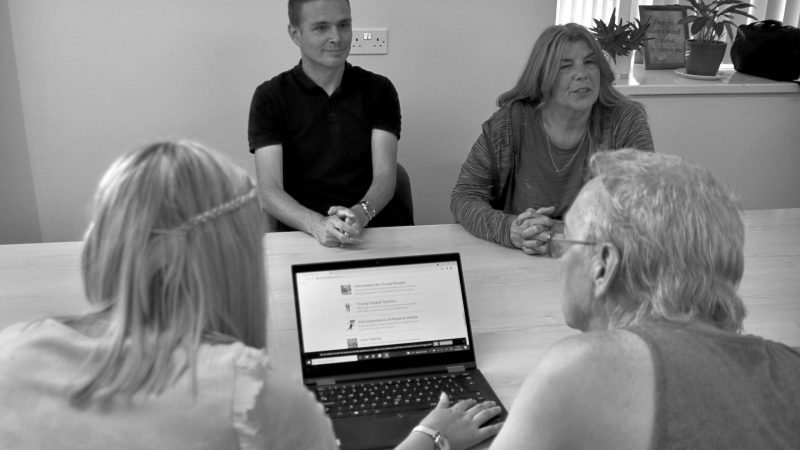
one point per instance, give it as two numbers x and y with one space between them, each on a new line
390 327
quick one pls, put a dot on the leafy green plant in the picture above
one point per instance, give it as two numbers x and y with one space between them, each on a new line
618 39
709 20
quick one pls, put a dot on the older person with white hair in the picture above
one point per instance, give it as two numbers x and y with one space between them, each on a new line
651 258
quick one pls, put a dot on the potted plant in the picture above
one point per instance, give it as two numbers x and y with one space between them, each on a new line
708 22
620 41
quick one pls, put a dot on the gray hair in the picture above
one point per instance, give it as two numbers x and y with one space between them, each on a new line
679 234
172 257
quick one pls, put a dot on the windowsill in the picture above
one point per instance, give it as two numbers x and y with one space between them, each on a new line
667 82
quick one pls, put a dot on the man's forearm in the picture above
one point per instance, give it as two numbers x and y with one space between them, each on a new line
283 207
378 195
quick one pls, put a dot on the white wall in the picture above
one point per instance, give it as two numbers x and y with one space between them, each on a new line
19 219
751 142
84 81
98 77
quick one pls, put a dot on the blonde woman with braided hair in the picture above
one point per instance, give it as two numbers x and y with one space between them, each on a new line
172 354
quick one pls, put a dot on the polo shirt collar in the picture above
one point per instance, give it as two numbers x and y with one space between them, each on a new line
308 84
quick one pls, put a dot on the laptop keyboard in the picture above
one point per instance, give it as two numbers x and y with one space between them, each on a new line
395 395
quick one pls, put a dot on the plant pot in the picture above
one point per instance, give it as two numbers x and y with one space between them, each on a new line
621 67
704 58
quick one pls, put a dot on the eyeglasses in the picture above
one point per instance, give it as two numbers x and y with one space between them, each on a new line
558 245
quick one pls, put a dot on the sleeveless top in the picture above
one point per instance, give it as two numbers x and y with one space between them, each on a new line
717 389
240 401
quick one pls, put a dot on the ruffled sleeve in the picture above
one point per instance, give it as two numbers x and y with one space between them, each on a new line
272 410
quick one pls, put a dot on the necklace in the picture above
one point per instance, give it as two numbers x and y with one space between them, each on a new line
550 152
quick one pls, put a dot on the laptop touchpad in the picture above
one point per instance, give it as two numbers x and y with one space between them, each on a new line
382 431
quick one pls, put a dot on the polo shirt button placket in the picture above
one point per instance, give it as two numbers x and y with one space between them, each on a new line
333 122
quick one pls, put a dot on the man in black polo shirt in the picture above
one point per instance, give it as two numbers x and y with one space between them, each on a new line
325 134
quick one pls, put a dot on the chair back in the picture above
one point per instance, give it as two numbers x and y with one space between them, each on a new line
402 191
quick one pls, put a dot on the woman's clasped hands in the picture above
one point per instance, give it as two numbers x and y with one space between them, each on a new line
531 230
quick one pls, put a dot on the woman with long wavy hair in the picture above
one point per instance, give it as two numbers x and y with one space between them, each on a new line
532 156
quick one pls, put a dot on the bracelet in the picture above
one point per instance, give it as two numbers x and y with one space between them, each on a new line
369 212
439 441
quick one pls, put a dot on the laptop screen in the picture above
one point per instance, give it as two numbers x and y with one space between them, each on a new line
379 315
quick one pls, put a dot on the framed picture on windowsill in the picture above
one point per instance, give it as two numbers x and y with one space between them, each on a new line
667 48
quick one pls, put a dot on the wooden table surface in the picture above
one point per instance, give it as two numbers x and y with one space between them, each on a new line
513 298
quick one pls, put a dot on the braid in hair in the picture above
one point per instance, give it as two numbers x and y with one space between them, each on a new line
211 214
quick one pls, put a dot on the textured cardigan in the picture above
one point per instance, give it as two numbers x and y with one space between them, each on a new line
480 200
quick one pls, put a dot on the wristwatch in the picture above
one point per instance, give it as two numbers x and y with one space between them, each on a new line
439 441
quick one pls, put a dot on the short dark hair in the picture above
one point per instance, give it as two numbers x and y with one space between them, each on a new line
295 6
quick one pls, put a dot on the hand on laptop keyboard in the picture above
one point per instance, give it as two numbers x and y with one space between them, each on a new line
395 395
462 425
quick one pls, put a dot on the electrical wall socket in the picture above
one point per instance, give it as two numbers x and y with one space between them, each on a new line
370 41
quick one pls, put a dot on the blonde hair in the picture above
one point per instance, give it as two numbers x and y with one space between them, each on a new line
172 257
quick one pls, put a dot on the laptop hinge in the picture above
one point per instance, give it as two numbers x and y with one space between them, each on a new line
455 369
325 382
